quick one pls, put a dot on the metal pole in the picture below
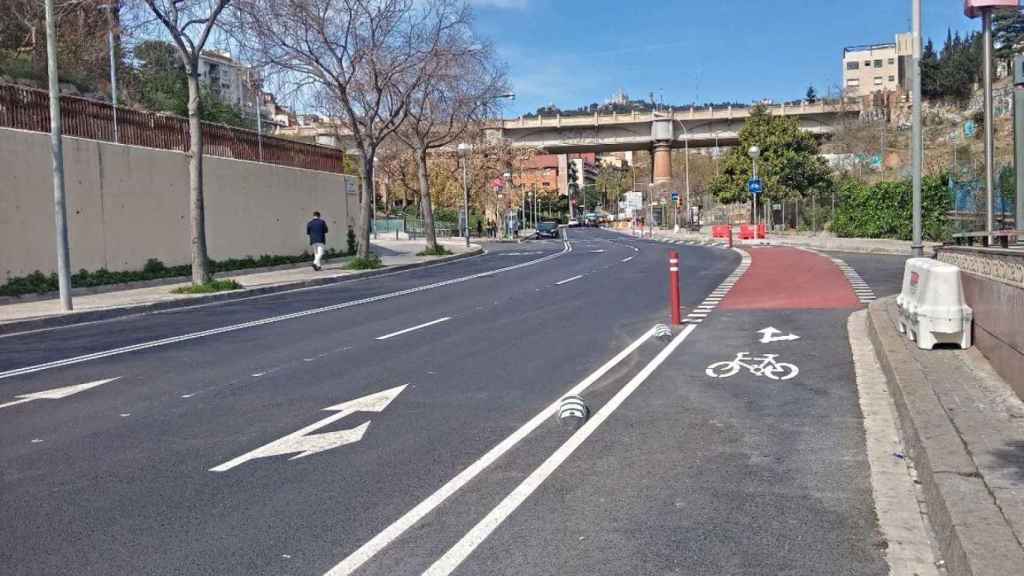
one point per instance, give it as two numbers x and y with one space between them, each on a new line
754 196
259 122
986 24
113 68
686 162
1018 141
465 197
917 247
57 149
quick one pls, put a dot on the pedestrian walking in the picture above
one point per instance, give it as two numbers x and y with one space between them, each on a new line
316 229
480 228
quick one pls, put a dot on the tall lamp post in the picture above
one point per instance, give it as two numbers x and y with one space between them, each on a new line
686 163
109 8
464 149
754 152
507 177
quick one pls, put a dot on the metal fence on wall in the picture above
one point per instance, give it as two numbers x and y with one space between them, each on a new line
28 109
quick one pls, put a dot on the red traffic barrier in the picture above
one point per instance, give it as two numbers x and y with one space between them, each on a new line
673 287
761 231
720 230
746 232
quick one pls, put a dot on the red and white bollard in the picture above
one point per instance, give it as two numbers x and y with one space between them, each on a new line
730 236
673 287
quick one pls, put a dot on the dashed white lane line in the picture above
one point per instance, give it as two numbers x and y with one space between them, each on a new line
455 555
567 280
410 518
702 311
567 247
861 289
413 328
627 259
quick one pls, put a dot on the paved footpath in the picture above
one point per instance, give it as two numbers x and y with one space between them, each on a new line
394 253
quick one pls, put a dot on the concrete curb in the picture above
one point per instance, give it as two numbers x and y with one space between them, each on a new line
973 536
16 326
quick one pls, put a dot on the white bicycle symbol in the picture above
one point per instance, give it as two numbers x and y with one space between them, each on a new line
757 365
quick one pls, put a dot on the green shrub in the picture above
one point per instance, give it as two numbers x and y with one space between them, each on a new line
369 263
209 287
350 241
884 210
439 250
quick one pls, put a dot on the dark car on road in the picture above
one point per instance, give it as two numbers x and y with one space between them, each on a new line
547 230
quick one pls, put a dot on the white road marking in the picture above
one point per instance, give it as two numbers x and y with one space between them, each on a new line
567 280
270 320
410 518
627 259
417 327
56 393
306 443
768 335
468 543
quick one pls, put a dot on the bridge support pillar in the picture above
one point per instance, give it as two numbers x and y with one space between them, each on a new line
662 162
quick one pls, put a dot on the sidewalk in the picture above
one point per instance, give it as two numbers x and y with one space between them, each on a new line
964 430
395 255
819 241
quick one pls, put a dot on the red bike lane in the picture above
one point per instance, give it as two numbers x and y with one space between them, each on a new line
782 278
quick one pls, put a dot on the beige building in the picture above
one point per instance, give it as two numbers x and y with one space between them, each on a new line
877 67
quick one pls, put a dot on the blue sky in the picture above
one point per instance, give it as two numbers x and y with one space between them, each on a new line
574 52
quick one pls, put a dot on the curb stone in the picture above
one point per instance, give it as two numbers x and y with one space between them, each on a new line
16 326
973 536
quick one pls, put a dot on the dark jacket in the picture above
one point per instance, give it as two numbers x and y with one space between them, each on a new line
317 231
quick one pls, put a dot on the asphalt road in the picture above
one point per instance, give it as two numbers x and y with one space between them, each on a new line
212 452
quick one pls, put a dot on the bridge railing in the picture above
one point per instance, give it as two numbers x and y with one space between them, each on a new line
694 113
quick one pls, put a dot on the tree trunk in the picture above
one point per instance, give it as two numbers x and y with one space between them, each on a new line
365 209
425 206
197 216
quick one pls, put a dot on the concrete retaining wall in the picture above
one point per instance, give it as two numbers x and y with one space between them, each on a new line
127 204
993 282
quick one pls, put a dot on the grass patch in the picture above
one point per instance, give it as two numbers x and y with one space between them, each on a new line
438 251
208 288
371 262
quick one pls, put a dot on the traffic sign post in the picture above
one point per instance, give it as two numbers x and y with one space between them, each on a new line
755 187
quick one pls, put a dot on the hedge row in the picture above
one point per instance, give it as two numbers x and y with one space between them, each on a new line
38 283
885 209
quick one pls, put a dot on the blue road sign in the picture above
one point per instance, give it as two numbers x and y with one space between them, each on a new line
970 128
754 185
675 197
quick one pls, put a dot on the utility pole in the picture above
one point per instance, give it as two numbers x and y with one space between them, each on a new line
57 149
986 26
917 247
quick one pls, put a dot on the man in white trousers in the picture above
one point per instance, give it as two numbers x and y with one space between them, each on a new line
316 229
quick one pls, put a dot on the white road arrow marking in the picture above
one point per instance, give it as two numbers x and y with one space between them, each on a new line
303 443
57 393
768 335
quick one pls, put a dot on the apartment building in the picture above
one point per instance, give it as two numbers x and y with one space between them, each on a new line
877 67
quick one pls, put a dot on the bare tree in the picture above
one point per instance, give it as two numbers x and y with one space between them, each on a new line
189 23
447 103
365 58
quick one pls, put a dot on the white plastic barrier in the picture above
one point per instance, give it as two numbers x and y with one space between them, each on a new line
931 304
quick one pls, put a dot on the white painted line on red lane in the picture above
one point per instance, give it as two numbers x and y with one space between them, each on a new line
465 546
412 328
567 280
410 518
270 320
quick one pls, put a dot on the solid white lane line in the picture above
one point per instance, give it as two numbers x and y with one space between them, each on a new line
417 327
398 527
270 320
627 259
465 546
567 280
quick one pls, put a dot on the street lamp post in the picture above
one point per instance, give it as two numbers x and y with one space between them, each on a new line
109 7
916 246
754 152
686 163
464 150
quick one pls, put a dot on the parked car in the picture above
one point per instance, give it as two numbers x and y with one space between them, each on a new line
573 223
547 229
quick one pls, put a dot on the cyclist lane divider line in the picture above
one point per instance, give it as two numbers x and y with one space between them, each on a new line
702 311
566 247
458 553
372 547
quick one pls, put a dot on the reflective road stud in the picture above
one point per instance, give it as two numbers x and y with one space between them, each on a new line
673 286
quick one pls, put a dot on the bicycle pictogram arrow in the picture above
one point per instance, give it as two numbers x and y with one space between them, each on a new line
768 335
304 443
